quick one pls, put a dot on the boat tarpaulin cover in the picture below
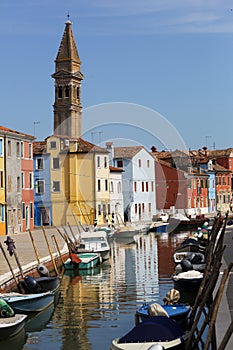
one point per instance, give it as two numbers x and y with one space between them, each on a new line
157 328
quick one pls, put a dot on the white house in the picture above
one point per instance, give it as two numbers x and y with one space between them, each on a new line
138 182
116 195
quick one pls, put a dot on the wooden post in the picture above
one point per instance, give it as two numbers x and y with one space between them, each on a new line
10 267
34 247
55 240
50 251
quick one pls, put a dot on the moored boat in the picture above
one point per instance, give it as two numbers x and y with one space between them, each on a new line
189 280
40 284
157 330
178 312
96 242
10 326
26 303
82 261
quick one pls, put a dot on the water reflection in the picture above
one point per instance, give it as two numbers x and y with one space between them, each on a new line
95 308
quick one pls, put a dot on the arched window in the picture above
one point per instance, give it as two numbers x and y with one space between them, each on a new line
67 91
59 91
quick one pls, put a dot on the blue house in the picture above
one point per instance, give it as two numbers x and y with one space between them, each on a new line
42 190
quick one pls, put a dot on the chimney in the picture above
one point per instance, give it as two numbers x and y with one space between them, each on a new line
110 148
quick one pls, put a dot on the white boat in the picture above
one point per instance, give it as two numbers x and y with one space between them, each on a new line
10 326
130 230
156 331
96 242
26 303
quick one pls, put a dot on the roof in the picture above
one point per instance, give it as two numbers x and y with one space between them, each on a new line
39 147
86 146
127 152
67 58
18 133
220 153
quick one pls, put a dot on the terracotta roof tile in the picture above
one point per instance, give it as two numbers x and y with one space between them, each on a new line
7 130
127 152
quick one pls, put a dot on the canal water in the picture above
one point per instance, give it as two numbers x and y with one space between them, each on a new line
93 309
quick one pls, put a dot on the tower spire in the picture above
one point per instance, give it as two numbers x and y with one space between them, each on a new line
68 77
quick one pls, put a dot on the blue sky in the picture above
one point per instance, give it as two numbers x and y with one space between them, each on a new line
173 57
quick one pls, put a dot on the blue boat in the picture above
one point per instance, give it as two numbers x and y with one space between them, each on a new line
178 312
82 261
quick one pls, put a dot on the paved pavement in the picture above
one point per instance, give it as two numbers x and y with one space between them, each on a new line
27 258
26 253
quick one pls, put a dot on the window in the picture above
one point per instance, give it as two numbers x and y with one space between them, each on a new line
53 145
21 149
56 186
9 183
135 208
40 186
98 161
67 91
9 148
30 180
109 209
99 209
106 185
111 187
18 184
30 150
77 92
40 163
98 186
59 91
17 150
2 212
152 186
31 210
135 186
119 187
147 187
142 186
148 163
139 163
1 147
1 179
56 163
22 180
105 162
23 210
120 163
143 207
149 207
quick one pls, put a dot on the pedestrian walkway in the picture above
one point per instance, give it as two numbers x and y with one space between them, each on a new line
26 253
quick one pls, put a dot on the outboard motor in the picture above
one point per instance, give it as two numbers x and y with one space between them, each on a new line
31 284
42 270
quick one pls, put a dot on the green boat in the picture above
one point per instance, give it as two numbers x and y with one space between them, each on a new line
82 261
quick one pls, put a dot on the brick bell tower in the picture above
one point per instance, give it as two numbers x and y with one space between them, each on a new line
68 77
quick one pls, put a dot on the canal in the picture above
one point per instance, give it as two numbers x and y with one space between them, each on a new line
93 309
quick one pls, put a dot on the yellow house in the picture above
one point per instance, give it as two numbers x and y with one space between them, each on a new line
76 196
2 188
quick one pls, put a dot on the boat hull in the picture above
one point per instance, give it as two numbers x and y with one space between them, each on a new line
10 326
88 261
25 303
